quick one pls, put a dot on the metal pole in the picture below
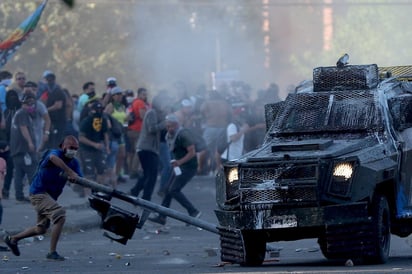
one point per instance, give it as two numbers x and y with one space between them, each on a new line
147 204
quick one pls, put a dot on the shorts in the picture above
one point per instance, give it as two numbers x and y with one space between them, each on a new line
132 136
93 162
111 158
48 210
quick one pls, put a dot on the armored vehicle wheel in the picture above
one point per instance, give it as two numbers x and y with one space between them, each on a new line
381 237
254 249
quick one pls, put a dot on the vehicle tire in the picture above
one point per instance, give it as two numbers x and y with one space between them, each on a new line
381 236
324 248
254 249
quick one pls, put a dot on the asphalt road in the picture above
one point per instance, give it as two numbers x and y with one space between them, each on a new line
177 248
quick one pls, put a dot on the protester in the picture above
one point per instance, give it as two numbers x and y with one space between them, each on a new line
216 112
41 118
5 81
55 101
3 170
46 186
13 104
182 146
94 143
138 109
235 134
22 144
148 148
18 83
88 93
116 111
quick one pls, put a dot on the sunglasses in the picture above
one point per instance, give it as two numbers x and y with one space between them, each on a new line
21 78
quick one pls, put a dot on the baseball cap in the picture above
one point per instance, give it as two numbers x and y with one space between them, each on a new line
187 103
116 90
172 118
97 105
111 81
47 73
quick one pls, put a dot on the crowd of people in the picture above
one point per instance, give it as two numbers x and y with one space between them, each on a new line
125 133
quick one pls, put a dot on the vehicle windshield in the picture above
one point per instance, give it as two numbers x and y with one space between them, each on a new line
343 111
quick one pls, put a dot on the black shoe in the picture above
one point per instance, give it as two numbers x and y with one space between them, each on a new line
161 193
55 256
134 175
4 248
158 219
121 179
5 195
13 246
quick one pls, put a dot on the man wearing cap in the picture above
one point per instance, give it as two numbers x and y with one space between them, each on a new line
94 143
55 102
116 111
111 83
182 146
22 144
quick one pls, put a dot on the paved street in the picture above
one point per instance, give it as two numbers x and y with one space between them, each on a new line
174 248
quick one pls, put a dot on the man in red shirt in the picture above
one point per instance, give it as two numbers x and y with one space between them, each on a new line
137 111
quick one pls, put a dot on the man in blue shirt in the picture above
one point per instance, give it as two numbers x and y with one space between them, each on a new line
46 186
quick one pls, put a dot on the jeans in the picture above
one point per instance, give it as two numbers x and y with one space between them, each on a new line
164 155
150 162
175 191
20 170
9 174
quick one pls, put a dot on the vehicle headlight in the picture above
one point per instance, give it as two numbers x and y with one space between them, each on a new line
233 175
232 184
343 170
341 181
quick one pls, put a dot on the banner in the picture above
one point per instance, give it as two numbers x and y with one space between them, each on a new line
9 46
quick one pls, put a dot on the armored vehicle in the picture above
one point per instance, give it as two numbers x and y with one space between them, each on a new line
335 165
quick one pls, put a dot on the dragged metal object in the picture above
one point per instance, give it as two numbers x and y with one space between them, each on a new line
119 223
334 165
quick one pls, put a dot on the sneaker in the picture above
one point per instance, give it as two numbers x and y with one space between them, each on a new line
23 200
12 245
54 256
196 214
158 219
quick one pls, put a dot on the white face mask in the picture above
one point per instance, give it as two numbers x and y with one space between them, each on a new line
129 99
70 153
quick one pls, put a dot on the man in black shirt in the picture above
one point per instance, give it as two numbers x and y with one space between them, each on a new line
55 101
94 143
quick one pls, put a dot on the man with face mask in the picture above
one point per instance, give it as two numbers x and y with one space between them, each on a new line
94 143
46 186
41 118
88 93
22 144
